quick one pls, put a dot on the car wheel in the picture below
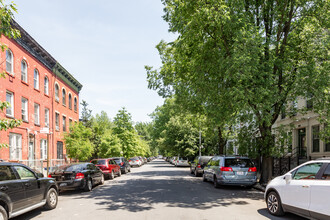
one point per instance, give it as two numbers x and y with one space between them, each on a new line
274 204
89 185
191 171
119 173
51 199
204 178
215 182
3 213
112 175
196 173
129 170
102 180
125 170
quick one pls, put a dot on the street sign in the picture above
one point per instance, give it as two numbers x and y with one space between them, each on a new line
44 130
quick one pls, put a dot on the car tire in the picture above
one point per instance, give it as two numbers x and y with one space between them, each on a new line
204 178
274 204
51 199
102 180
3 213
191 171
112 175
196 173
125 170
129 170
215 182
89 185
119 173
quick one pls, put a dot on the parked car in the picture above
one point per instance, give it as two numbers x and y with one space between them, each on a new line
182 162
22 190
108 166
77 176
172 161
230 170
135 161
198 164
125 167
304 190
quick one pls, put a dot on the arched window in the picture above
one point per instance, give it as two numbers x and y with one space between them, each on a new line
70 101
75 104
57 92
36 79
63 97
46 85
9 62
24 71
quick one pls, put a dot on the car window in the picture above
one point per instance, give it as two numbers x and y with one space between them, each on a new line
71 168
99 162
215 162
307 172
238 162
6 173
326 174
24 173
118 161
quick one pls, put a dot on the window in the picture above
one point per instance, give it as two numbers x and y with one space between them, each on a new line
43 149
57 91
70 122
59 150
24 173
294 107
70 101
46 117
24 71
63 97
36 114
326 174
64 123
25 109
15 146
10 100
46 85
309 101
326 141
307 172
6 173
36 79
57 121
9 62
316 139
75 104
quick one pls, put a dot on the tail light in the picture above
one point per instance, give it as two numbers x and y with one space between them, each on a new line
122 163
80 176
137 160
252 169
177 161
50 176
226 169
129 161
199 166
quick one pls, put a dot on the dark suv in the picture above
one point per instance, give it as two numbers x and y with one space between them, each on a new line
123 163
197 166
22 189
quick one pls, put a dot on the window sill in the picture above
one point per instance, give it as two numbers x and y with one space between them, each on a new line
64 105
38 125
37 90
25 83
10 74
10 116
25 121
57 100
47 95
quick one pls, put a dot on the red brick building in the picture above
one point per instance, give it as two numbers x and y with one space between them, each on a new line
42 94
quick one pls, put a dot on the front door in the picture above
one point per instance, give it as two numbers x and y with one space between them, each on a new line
302 143
59 150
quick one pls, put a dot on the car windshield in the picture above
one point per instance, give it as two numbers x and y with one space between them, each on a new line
99 162
238 162
71 168
205 160
183 158
118 161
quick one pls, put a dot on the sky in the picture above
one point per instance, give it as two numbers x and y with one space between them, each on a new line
105 45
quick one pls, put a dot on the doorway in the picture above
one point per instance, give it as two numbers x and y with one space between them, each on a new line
302 148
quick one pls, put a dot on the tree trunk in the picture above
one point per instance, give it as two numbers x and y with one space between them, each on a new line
266 169
222 142
267 142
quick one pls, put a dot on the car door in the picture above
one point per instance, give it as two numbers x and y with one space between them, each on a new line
296 193
11 187
32 186
320 195
207 170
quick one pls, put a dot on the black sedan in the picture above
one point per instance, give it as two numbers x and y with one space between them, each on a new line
77 176
125 167
22 189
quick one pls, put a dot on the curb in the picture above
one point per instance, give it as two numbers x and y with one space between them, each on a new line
259 187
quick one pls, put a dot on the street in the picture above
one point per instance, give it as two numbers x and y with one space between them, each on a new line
158 190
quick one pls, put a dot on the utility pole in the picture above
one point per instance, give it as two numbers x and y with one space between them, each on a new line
200 142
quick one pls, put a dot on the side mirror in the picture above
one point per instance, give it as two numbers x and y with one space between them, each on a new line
40 175
288 177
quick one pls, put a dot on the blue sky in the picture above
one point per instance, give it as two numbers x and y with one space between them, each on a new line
105 45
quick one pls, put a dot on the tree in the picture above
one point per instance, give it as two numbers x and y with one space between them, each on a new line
86 115
257 55
77 142
6 16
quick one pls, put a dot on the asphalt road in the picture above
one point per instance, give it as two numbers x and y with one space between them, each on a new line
158 190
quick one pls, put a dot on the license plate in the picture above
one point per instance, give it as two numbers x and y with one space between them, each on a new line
63 184
240 173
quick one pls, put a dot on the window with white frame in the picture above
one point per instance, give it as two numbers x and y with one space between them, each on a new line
36 114
57 121
10 100
316 138
25 112
9 61
43 149
24 71
15 146
57 92
46 117
75 104
70 101
63 97
46 85
64 123
36 79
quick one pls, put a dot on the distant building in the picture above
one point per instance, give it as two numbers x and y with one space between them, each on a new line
43 95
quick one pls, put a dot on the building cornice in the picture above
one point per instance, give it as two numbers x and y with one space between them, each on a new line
63 74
